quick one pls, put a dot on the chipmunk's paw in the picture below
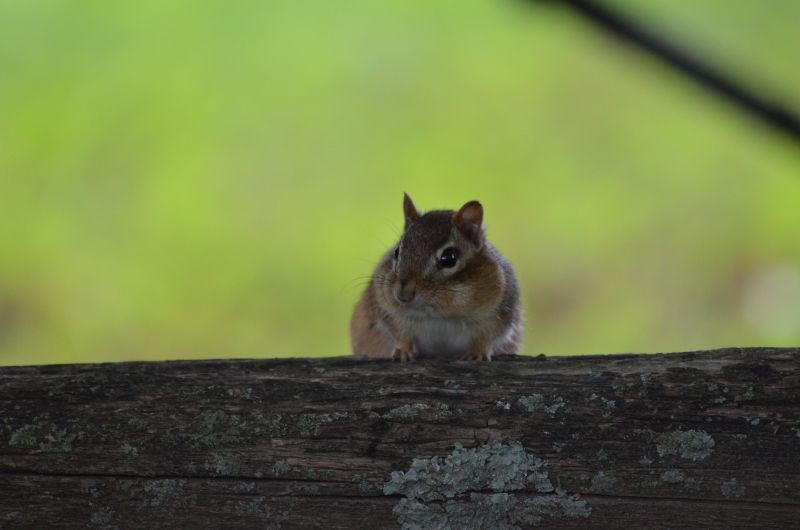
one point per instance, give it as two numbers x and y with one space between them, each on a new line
405 352
477 355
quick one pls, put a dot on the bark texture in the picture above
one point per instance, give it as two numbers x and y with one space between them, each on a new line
688 440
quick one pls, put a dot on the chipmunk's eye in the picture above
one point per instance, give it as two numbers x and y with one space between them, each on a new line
448 258
397 253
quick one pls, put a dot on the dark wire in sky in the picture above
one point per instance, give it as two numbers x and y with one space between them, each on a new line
627 30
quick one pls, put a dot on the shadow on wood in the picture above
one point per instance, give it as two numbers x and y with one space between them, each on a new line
691 440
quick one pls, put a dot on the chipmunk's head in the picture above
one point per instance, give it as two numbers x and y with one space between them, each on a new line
439 267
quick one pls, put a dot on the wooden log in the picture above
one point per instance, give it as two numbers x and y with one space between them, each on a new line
690 440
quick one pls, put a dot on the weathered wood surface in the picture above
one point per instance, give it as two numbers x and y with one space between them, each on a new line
694 440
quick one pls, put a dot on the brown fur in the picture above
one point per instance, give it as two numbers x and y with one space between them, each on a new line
469 311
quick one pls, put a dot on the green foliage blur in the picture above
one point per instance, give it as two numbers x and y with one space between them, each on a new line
217 179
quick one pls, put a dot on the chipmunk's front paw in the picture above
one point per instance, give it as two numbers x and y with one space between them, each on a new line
477 355
405 352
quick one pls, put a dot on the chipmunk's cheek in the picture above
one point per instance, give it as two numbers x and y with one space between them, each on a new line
457 297
388 294
462 296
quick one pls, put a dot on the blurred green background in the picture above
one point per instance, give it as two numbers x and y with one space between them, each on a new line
217 179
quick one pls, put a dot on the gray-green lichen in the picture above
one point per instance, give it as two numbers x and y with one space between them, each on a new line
532 403
137 423
445 493
553 408
309 424
673 476
223 464
443 411
307 489
535 402
748 395
214 428
255 506
44 435
452 383
731 489
23 437
497 511
275 426
365 486
281 467
602 483
245 393
244 487
413 410
129 450
609 404
505 405
406 412
164 493
691 445
498 467
309 473
210 419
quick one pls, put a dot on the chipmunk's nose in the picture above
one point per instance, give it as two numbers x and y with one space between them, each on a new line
405 290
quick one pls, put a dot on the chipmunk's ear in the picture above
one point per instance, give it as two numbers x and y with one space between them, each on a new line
469 220
410 211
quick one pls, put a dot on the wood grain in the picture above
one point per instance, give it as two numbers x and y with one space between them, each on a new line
689 440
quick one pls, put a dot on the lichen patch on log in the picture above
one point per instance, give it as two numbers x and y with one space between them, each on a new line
445 493
687 440
692 445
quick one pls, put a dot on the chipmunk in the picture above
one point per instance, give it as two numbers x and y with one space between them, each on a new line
441 292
